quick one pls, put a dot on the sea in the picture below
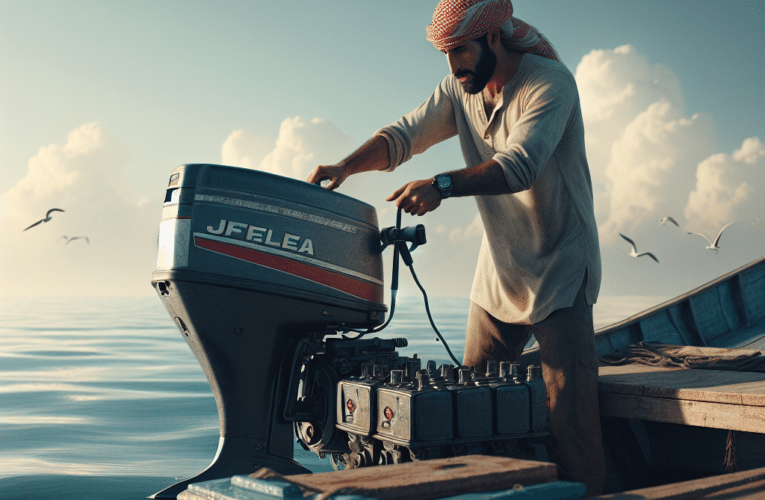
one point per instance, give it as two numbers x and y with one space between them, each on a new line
101 398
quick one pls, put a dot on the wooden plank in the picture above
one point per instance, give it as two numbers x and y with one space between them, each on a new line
752 337
717 386
678 411
611 343
432 478
708 313
753 290
747 485
731 306
681 316
659 328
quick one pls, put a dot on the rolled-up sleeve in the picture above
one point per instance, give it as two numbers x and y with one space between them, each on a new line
535 135
432 122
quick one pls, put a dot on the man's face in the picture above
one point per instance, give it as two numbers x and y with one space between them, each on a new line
473 64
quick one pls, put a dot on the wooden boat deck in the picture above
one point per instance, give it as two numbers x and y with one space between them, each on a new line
661 423
700 397
747 485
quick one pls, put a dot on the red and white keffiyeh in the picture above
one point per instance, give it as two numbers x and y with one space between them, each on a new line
458 21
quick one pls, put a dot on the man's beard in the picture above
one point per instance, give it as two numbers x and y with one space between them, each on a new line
484 69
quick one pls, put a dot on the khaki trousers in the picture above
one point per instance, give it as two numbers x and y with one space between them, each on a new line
570 369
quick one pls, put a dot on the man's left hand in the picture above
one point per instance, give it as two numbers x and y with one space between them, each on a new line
417 197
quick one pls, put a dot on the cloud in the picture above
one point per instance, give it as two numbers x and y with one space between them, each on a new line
473 231
652 161
650 158
615 86
301 145
90 156
728 188
244 149
85 178
642 148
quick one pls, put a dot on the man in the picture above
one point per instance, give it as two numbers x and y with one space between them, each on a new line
516 111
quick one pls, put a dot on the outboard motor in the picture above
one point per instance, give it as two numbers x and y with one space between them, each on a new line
265 278
249 264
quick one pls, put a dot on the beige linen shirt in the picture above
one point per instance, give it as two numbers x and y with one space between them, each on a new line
538 241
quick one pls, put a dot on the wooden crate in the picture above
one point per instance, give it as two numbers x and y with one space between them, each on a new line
430 479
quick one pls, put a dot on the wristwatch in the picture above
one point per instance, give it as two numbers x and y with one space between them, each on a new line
443 183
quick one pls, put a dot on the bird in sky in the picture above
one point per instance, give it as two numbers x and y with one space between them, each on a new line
669 219
634 252
713 245
72 238
46 219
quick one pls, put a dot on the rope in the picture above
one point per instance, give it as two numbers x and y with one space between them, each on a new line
731 453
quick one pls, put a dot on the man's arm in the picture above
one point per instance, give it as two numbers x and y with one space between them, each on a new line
415 197
530 145
420 197
373 155
484 179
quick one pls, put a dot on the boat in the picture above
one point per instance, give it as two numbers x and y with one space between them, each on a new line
663 422
693 406
275 283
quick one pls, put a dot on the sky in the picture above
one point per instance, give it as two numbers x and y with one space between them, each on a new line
101 100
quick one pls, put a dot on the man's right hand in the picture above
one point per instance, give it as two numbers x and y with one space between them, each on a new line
335 174
373 155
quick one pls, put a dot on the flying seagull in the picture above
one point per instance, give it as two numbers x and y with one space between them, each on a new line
70 239
634 253
713 244
46 219
669 219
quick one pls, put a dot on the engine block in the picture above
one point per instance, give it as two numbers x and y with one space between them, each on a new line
389 409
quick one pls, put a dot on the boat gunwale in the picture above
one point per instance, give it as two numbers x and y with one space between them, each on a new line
636 318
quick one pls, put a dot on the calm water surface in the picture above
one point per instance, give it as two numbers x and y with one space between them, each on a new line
102 398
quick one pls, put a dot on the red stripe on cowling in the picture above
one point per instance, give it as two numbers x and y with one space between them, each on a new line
361 289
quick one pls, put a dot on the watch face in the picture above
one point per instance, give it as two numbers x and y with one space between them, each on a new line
444 181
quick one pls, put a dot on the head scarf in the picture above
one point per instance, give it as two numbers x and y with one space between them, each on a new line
459 21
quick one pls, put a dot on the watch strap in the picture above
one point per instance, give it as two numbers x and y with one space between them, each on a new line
443 183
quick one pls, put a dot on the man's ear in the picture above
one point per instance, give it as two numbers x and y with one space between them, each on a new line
494 37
